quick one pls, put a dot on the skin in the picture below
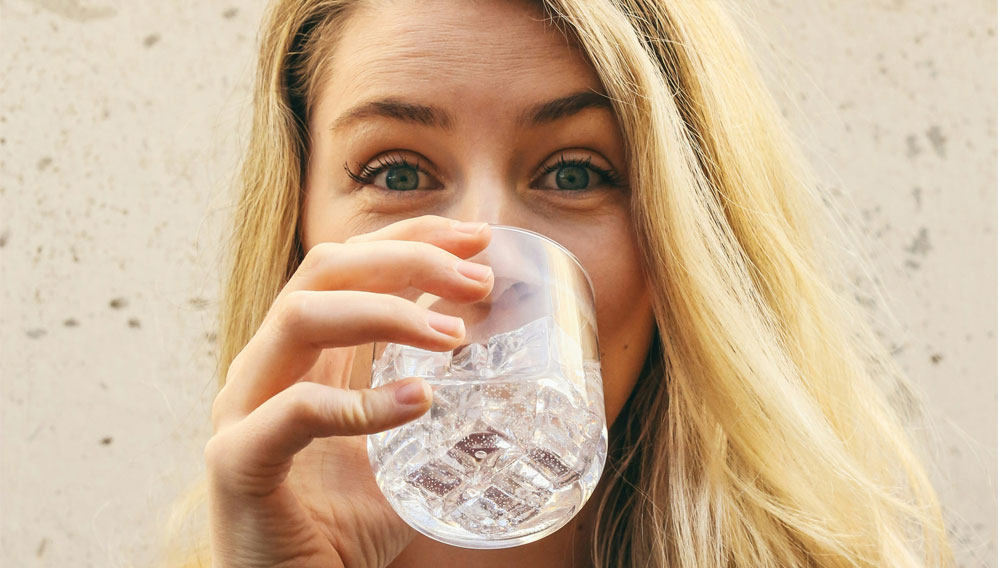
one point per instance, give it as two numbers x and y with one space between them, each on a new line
290 480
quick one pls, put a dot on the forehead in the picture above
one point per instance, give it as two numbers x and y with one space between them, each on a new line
475 56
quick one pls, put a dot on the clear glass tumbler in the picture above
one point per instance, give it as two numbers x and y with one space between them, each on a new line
516 439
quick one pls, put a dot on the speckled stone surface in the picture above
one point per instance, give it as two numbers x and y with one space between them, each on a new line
120 124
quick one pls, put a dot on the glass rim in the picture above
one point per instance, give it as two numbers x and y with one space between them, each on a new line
590 283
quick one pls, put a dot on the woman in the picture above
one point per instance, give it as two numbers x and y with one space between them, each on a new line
750 420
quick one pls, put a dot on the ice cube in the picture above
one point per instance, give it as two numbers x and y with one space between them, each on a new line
470 361
495 512
510 508
593 426
551 400
435 479
478 516
453 406
594 386
480 449
523 351
383 370
555 452
400 451
523 480
552 467
592 473
510 408
501 394
468 399
443 402
409 361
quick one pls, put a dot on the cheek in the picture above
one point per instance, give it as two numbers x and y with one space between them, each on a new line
611 258
315 225
622 299
325 214
624 313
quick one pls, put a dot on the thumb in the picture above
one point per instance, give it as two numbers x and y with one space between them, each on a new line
388 406
287 422
350 412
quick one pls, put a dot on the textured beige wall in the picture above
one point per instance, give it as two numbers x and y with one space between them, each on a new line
120 124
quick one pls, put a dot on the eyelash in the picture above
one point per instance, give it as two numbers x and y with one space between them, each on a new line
366 175
608 176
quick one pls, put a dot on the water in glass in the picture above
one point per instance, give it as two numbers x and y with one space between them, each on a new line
512 447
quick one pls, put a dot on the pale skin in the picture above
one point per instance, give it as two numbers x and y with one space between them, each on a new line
290 483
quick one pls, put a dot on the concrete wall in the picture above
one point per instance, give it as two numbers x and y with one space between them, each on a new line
120 124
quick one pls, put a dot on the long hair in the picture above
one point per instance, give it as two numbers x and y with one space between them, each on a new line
765 428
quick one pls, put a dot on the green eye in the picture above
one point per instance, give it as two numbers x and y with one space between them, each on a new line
572 177
401 178
393 174
577 175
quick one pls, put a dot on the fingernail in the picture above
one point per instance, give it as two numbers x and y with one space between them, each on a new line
447 325
470 227
474 271
415 392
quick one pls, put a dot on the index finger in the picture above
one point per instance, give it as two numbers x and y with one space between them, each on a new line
462 239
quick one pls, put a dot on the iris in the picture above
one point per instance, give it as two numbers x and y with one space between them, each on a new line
572 177
401 178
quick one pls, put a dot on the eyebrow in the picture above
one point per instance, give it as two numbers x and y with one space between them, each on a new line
437 117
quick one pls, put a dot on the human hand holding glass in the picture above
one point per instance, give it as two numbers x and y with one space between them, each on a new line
288 395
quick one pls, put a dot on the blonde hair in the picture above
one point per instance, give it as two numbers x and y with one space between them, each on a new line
768 427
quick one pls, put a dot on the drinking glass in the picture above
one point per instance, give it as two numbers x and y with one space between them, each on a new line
516 438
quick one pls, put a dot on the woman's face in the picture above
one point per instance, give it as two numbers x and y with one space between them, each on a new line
478 111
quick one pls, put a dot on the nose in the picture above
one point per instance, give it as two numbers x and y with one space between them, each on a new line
498 203
491 200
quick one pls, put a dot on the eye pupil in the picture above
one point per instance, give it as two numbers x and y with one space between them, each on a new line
572 177
401 178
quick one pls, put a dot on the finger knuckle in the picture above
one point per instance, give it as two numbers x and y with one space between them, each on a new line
217 453
229 461
299 403
218 411
293 309
221 405
319 255
425 256
414 249
393 312
345 411
235 366
359 238
354 412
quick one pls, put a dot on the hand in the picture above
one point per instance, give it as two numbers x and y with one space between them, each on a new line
323 508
